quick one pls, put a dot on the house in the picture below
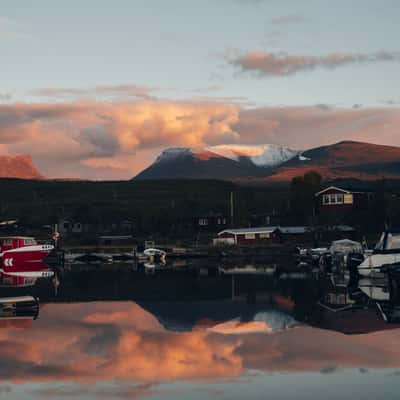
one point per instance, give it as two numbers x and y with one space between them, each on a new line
276 234
210 221
334 200
246 236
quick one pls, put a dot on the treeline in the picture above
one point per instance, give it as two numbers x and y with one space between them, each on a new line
168 208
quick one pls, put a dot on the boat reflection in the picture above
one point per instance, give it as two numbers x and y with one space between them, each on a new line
18 312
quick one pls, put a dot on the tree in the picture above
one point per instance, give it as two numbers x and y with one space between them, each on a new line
303 189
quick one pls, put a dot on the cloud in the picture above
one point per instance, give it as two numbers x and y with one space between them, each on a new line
94 134
263 63
127 90
102 140
306 127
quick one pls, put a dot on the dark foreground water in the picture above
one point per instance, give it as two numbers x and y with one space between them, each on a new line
201 335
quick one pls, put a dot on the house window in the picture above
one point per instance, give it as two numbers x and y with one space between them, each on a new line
203 221
265 235
249 236
333 198
348 199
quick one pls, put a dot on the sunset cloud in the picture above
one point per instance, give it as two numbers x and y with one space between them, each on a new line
123 343
105 134
127 90
280 64
116 140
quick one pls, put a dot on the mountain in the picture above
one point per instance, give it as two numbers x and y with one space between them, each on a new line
347 159
20 166
217 162
271 163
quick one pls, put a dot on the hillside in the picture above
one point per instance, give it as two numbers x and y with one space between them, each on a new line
20 166
347 159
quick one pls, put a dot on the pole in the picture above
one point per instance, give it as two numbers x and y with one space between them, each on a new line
232 210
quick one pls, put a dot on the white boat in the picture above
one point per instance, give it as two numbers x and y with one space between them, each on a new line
153 255
386 253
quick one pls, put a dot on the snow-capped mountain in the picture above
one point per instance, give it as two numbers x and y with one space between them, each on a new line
266 155
271 163
217 162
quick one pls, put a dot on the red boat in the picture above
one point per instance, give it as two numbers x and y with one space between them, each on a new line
22 261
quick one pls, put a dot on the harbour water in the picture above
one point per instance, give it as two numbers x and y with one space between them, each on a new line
197 333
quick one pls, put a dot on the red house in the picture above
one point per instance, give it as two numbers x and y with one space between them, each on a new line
246 236
334 200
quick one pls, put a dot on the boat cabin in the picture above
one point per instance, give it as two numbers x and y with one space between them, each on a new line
389 242
15 242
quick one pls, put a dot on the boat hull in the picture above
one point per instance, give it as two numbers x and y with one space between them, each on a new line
374 263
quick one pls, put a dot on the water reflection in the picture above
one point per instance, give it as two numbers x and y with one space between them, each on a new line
202 330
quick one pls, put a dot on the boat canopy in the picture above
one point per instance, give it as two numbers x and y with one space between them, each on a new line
388 241
345 246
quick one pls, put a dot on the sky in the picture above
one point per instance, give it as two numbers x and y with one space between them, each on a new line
97 89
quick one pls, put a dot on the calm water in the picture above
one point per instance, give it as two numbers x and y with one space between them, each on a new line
197 334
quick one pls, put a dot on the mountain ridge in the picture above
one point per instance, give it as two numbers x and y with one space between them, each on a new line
345 159
217 162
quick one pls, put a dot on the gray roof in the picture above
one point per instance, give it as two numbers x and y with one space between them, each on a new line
238 231
267 229
293 229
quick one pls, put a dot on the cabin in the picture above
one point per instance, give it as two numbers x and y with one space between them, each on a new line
246 236
15 242
335 200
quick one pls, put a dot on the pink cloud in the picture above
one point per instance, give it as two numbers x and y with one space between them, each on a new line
101 140
276 64
126 90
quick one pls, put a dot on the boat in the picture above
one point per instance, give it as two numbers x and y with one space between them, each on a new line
18 312
153 255
385 255
22 261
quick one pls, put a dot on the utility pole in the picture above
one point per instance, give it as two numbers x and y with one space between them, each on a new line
232 209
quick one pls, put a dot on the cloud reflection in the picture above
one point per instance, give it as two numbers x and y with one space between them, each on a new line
86 343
